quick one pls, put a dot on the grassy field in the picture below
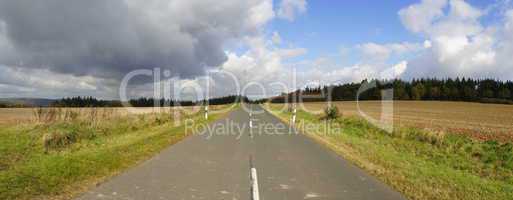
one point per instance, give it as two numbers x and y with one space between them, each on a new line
420 163
68 151
481 121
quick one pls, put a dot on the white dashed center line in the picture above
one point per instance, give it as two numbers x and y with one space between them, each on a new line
254 184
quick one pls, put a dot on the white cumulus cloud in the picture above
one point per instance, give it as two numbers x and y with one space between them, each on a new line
289 9
382 52
458 42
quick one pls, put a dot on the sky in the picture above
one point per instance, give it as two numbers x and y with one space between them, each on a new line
59 48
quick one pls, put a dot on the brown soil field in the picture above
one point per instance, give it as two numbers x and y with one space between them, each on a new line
482 121
28 115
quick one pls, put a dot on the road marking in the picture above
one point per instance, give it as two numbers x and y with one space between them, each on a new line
254 185
253 180
284 187
311 195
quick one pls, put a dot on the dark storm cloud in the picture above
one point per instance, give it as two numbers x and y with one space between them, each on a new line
108 38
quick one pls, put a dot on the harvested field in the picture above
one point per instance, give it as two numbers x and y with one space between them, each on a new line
483 121
27 115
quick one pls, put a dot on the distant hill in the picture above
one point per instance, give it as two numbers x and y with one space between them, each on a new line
27 101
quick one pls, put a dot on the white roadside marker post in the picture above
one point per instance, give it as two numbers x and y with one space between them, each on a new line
294 115
250 124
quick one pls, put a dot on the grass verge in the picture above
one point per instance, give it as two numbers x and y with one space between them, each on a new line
61 159
421 164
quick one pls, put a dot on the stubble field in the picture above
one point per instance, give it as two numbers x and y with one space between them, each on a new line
482 121
9 116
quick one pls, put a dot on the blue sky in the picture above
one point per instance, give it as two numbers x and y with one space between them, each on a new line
328 26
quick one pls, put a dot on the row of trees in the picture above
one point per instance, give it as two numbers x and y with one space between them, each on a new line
149 102
459 89
85 102
9 105
464 89
143 102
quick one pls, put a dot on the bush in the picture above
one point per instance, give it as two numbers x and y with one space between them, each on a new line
431 136
162 119
56 140
331 112
290 108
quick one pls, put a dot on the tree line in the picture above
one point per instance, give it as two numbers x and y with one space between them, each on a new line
459 89
89 101
10 105
150 102
144 102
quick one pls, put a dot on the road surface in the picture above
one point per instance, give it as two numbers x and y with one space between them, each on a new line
217 165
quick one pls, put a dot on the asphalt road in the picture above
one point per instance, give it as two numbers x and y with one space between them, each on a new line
217 165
